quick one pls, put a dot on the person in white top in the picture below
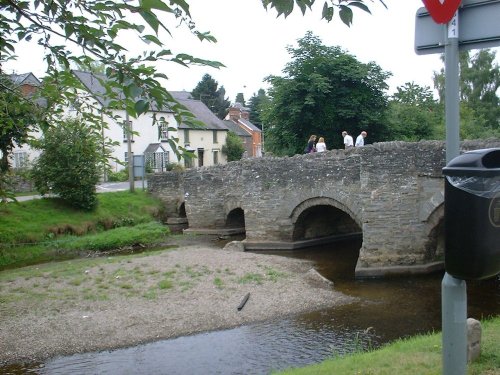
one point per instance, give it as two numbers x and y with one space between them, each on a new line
348 141
360 141
321 145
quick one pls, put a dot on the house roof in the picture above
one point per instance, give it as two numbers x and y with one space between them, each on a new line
235 128
92 81
24 79
153 147
250 125
200 110
202 113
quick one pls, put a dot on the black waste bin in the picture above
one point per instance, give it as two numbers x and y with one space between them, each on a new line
472 215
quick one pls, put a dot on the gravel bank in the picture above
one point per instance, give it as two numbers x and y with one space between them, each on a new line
106 303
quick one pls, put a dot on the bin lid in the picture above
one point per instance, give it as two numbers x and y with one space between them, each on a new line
484 163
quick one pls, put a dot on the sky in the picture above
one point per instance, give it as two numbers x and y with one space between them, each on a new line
251 43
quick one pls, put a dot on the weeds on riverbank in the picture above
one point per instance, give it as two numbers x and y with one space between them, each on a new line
45 230
417 355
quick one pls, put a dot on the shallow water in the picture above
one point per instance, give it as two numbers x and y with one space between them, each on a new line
388 309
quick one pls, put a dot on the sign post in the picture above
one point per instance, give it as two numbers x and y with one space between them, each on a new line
480 29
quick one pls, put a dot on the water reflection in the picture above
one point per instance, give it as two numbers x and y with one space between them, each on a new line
388 309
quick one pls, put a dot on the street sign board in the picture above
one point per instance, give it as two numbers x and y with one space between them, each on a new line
479 28
442 11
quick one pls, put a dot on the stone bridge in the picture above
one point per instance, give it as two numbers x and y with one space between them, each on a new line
390 193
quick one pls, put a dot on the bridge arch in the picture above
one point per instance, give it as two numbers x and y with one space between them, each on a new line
234 214
435 239
321 217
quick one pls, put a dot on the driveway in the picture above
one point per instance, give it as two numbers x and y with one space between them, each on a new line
105 187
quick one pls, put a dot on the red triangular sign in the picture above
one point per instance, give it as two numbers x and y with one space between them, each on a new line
442 12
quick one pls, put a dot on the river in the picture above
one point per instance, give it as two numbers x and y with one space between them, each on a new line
388 309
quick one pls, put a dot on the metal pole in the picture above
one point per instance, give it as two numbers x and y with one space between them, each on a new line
453 291
452 99
130 154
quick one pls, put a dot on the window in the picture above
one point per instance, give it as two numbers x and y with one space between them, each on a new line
126 157
186 135
216 157
126 129
157 161
163 131
215 136
20 159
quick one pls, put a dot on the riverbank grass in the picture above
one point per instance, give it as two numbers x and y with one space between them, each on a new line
417 355
45 230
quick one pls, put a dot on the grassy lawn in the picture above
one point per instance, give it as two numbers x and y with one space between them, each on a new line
418 355
45 229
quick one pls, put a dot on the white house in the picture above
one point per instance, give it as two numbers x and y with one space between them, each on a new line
149 140
152 140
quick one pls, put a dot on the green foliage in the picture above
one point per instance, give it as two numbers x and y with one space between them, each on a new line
256 104
325 91
413 113
233 149
134 83
421 354
68 165
119 176
44 229
18 116
208 92
140 234
344 8
479 84
240 99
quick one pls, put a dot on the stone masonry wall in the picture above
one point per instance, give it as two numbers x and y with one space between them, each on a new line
393 191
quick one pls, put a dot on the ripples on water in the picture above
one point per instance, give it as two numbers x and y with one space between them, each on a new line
387 310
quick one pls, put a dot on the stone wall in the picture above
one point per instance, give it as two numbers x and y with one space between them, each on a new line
392 191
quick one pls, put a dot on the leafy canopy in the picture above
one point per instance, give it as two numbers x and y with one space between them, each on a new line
68 164
324 91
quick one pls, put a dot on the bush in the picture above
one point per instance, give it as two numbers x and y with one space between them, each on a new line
120 176
68 163
233 148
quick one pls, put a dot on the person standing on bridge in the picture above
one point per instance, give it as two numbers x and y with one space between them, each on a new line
311 147
348 141
360 141
321 145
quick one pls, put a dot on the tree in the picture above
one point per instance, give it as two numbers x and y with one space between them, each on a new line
343 6
413 113
256 104
233 148
209 92
93 28
479 84
68 164
18 116
240 99
85 32
324 91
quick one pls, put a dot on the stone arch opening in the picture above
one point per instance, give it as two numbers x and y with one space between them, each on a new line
235 218
434 245
182 210
323 217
